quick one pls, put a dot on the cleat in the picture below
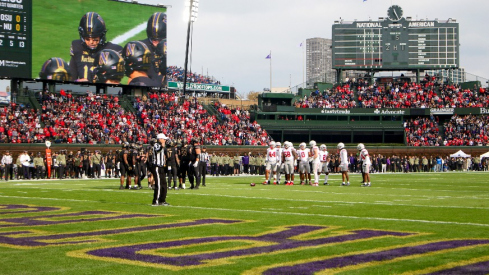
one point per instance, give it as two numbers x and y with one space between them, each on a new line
325 183
275 183
302 183
155 204
121 187
165 203
343 184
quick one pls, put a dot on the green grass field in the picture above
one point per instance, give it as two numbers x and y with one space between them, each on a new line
56 25
436 223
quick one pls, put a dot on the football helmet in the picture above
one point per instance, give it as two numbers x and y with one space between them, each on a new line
55 69
108 65
340 145
302 145
160 56
360 146
156 28
278 144
312 143
92 25
137 57
286 144
322 147
272 144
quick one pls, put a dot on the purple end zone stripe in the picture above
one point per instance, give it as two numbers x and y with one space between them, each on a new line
37 220
481 268
37 241
338 262
281 241
22 206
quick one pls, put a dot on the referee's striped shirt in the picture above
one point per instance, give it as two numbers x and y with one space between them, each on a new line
204 157
159 155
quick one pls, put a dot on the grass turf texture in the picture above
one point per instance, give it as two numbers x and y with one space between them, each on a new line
433 207
56 25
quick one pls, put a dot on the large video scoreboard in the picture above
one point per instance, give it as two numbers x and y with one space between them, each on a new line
396 43
15 38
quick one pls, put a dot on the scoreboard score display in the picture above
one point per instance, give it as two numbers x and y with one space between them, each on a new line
15 38
396 43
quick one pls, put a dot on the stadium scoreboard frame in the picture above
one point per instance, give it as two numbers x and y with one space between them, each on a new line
16 38
396 43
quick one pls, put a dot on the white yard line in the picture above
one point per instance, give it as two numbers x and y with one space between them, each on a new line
281 213
127 35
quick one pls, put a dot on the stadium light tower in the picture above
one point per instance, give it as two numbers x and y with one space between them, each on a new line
191 12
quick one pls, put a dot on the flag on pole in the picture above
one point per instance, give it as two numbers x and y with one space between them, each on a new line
269 56
300 45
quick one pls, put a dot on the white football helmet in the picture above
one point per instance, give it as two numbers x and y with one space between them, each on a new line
278 144
340 145
272 144
302 145
322 147
286 144
360 146
312 143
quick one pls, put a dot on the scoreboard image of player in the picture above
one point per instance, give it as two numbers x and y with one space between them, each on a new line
396 43
16 38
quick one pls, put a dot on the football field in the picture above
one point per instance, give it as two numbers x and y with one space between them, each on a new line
416 223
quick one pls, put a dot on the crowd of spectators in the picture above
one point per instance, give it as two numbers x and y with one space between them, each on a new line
92 119
422 131
19 124
175 73
341 97
238 127
184 118
407 95
467 130
455 97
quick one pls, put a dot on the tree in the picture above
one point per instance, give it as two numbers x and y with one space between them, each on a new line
253 95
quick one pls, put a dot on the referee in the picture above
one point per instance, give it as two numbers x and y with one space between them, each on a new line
158 171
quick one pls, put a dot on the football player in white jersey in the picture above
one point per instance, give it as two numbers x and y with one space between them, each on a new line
365 164
316 163
288 158
271 162
324 159
343 164
280 165
304 168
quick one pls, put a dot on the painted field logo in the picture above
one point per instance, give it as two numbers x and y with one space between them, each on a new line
283 250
